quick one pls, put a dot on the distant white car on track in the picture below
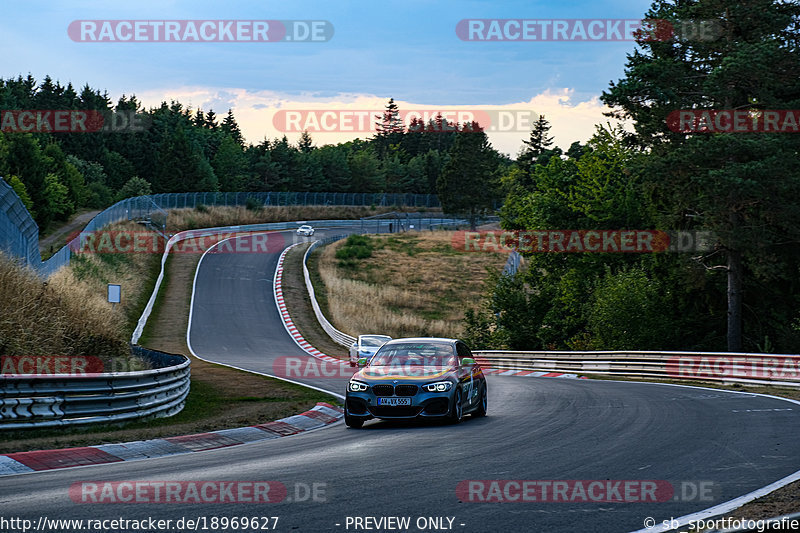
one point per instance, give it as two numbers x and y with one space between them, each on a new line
366 346
306 230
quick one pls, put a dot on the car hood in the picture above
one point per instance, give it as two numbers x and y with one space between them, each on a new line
406 373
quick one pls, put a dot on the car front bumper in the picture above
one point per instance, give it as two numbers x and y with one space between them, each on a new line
423 404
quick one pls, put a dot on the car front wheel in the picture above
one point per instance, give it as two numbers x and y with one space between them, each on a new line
353 421
457 411
482 406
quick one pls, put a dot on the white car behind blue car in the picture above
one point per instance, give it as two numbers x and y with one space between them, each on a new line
366 346
306 230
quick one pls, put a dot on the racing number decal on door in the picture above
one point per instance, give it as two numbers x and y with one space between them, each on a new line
469 389
472 384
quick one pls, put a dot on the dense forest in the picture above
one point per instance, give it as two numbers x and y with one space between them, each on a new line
184 150
743 187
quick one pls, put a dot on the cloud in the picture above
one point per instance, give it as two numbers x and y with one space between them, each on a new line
259 112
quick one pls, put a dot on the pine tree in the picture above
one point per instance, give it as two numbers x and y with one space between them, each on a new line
211 120
230 127
741 186
466 184
536 144
305 143
388 130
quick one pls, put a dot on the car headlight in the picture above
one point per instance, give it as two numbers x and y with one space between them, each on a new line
439 386
357 386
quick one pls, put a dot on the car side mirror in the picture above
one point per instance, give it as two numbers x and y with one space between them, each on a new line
467 361
362 362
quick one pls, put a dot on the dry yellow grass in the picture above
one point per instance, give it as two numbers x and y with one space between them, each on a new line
68 314
209 216
64 316
415 284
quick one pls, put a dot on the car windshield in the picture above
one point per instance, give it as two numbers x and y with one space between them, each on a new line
373 342
415 354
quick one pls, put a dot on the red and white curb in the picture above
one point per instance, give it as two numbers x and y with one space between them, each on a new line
310 350
321 415
287 320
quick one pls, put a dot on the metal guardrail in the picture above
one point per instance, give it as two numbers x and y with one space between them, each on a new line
340 338
40 401
395 222
724 367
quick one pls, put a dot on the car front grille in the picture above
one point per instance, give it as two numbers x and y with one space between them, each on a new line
405 390
383 390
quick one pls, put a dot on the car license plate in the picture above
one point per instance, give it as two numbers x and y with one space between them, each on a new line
394 401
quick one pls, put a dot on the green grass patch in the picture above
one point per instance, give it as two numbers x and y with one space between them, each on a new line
355 248
407 244
84 268
431 315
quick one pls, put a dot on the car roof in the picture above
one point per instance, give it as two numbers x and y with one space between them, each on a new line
375 335
422 339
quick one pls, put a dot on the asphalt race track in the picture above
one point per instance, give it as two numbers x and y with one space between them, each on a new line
725 444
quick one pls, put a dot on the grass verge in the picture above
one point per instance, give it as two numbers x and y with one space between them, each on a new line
403 285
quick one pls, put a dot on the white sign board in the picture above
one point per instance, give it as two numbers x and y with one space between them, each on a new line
114 293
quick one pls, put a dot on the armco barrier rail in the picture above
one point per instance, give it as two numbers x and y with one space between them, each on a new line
340 338
724 367
31 401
